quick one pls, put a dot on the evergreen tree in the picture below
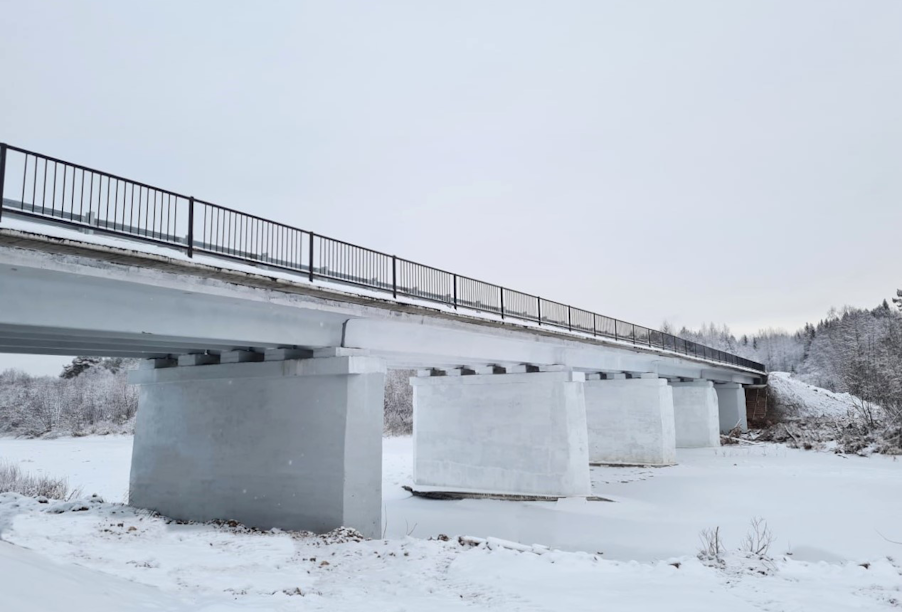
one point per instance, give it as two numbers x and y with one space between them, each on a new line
79 366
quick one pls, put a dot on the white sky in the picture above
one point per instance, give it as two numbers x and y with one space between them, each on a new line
735 162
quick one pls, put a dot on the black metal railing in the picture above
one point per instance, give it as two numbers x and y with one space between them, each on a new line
52 190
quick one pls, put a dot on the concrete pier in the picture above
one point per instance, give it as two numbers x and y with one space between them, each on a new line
510 433
294 444
630 421
695 414
731 406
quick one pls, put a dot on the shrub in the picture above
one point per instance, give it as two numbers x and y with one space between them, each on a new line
757 542
712 548
14 480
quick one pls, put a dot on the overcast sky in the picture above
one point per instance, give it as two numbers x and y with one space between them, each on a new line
734 162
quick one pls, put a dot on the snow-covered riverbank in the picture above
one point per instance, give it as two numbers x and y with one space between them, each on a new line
828 511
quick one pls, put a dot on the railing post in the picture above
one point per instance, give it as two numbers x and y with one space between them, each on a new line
310 258
191 226
2 174
594 325
501 292
394 276
539 309
615 330
455 291
569 319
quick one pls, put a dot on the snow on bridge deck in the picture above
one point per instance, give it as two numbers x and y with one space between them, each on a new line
71 292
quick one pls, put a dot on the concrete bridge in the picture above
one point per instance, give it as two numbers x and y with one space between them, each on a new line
266 346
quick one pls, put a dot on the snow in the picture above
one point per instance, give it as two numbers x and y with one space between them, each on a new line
35 583
635 553
95 464
804 400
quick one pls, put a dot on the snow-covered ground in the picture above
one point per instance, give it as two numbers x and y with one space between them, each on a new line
635 553
804 400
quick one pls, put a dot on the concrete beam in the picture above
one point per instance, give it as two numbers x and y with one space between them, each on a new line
489 369
522 368
240 357
197 360
400 341
283 354
155 364
120 303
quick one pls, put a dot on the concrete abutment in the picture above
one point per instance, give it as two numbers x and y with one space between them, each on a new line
294 444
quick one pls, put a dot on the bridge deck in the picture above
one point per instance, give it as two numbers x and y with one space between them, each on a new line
51 191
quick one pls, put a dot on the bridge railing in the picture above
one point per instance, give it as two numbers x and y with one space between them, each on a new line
60 192
48 187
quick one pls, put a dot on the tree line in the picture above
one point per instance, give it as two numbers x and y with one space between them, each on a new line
92 395
851 350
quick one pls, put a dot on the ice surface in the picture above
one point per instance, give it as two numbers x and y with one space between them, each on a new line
824 509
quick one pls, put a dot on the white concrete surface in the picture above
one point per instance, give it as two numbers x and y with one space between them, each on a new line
293 444
520 434
630 422
155 306
731 406
695 414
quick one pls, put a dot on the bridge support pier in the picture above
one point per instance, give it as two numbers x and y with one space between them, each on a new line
294 444
509 434
731 404
630 421
695 414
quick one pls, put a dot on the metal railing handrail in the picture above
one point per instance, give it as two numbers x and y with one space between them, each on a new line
255 240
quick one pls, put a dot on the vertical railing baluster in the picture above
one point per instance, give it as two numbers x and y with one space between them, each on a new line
53 197
63 195
310 258
394 277
44 192
25 177
3 174
190 225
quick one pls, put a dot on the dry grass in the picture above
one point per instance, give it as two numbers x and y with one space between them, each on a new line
14 480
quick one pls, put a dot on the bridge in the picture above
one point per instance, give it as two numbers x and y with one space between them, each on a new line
265 349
